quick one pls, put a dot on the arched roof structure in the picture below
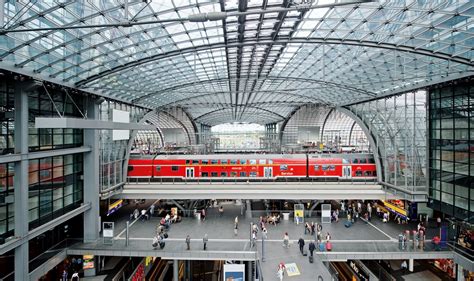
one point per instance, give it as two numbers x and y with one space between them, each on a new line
239 60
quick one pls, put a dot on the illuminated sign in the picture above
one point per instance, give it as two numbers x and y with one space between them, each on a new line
114 207
88 262
395 208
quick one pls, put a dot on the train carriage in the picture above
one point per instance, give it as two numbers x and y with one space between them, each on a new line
254 166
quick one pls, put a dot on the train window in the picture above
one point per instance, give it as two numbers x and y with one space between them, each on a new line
233 161
224 162
205 162
233 174
355 161
130 168
316 168
174 168
325 167
358 173
195 162
253 174
158 168
345 161
243 174
374 173
332 168
243 161
283 167
270 161
262 161
253 162
204 174
188 162
363 161
213 174
223 174
371 160
214 161
367 173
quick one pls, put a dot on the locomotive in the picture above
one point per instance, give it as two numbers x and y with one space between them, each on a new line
254 166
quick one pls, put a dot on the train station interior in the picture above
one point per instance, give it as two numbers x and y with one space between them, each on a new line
237 140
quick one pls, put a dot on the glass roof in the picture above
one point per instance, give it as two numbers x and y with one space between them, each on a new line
256 65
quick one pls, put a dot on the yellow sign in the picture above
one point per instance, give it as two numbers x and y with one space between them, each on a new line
299 213
395 208
292 269
321 146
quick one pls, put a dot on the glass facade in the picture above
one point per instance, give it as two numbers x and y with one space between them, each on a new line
451 136
398 125
55 184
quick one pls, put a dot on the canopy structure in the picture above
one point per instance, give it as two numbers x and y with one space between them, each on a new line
239 60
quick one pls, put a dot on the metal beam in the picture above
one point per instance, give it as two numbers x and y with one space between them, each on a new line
12 244
77 123
224 108
42 154
251 42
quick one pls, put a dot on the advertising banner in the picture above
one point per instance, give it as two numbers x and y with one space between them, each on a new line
234 272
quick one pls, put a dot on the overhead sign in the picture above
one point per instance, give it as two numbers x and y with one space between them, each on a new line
114 207
395 209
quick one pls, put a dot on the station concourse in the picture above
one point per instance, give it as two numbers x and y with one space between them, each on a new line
134 129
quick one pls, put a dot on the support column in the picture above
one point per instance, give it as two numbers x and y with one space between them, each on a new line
175 270
91 177
248 211
248 271
411 264
21 181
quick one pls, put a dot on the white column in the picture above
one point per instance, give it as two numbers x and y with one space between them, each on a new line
91 177
175 270
21 181
411 264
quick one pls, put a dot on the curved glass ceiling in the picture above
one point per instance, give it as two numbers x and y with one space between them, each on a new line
256 63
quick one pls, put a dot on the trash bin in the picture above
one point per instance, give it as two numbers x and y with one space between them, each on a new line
400 241
286 216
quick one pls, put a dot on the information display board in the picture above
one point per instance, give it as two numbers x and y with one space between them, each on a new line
234 272
326 213
299 213
108 232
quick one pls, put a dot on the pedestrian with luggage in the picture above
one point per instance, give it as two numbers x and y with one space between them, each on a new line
301 244
188 242
204 240
311 248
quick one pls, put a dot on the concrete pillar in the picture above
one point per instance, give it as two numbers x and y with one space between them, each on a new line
248 211
248 271
21 181
411 263
91 177
459 273
175 270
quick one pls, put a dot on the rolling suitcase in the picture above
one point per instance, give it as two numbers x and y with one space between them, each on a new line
348 224
162 245
311 259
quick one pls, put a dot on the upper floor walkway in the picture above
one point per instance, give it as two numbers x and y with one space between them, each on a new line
298 190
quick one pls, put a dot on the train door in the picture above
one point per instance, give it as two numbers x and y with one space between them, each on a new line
268 172
346 172
189 172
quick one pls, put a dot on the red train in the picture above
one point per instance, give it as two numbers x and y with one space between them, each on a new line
254 166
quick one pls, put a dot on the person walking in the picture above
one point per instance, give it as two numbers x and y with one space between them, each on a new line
203 214
264 233
311 247
188 243
236 225
254 239
438 221
204 240
301 244
313 227
221 211
286 240
152 210
281 270
328 237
